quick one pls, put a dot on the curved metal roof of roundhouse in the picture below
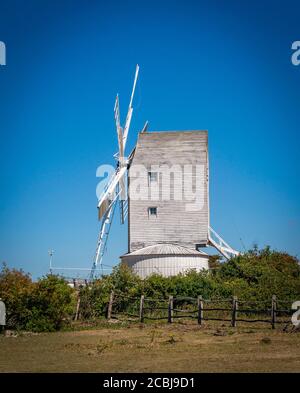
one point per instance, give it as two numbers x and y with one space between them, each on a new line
166 249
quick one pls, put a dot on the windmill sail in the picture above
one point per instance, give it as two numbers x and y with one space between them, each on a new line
110 194
116 188
119 128
130 109
103 208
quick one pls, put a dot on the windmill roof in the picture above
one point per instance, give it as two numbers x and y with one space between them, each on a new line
176 134
166 249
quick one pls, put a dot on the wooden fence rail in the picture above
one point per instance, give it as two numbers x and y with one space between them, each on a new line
201 311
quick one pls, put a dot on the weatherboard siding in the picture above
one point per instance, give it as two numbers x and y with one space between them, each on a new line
165 265
173 223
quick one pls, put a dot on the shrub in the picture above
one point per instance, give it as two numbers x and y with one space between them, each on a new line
122 281
258 274
37 306
51 304
15 290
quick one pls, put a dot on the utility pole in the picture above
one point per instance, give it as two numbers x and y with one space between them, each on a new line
50 252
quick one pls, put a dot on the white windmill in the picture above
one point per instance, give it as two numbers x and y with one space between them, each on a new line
157 238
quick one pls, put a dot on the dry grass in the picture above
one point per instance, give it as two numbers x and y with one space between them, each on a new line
153 348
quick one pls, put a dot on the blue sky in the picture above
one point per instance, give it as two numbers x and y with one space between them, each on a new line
224 66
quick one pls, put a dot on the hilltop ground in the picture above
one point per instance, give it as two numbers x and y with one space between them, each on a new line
153 348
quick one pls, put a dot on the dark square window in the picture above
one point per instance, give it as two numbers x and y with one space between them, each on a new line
152 211
152 176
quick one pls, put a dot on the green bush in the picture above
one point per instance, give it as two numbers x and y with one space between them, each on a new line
258 274
124 283
190 284
51 304
37 306
15 290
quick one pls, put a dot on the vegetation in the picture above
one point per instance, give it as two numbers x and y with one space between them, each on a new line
15 289
44 305
49 303
253 276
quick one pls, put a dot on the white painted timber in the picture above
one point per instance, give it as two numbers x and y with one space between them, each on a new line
173 223
166 260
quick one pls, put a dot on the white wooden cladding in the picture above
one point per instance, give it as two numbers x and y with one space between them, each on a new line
173 223
165 265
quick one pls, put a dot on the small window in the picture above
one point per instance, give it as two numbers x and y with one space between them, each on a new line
152 176
152 211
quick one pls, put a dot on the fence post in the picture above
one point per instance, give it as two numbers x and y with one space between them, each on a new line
110 304
170 309
77 307
234 311
273 311
200 310
142 309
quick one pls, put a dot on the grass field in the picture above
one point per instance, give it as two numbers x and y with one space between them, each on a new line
153 348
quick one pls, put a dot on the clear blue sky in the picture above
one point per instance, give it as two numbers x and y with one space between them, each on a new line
224 66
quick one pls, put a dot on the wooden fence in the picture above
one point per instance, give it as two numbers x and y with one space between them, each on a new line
225 310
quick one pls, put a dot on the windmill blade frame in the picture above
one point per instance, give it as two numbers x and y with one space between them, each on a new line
130 108
119 128
116 187
110 193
